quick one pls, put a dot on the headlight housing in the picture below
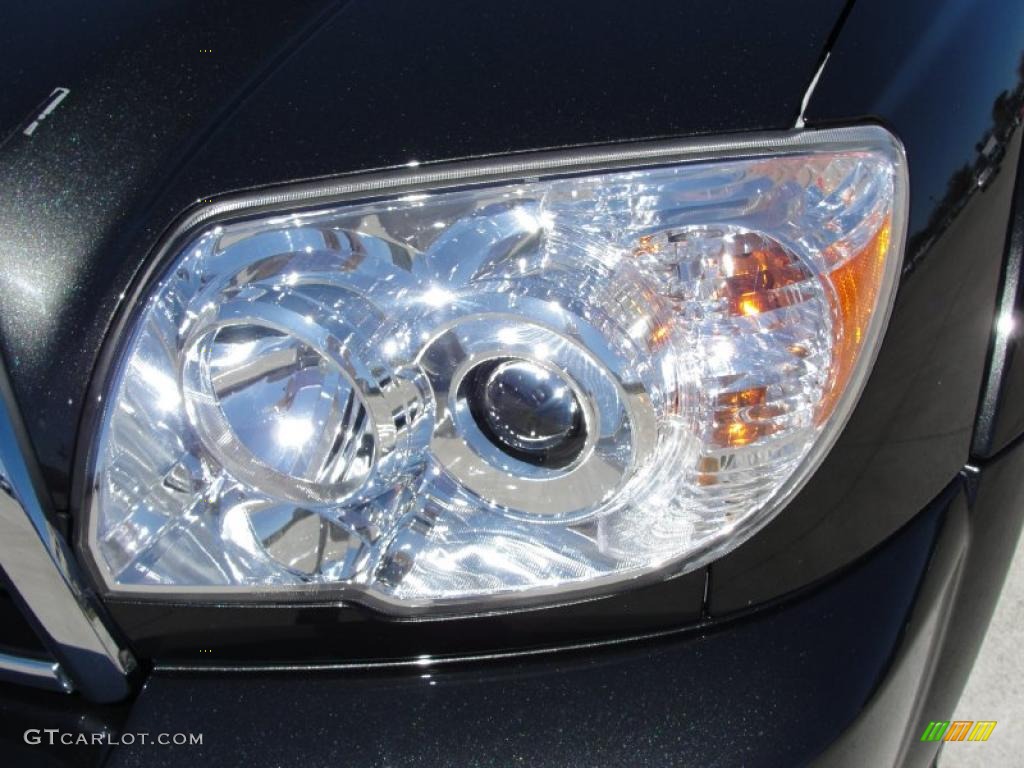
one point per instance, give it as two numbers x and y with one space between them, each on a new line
495 383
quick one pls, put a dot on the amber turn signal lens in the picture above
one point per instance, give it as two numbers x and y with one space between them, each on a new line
854 298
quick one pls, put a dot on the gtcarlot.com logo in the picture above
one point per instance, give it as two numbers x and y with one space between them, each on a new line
958 730
53 736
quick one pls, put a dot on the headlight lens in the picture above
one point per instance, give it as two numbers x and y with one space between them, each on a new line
515 390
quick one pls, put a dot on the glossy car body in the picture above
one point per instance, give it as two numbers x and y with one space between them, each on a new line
834 635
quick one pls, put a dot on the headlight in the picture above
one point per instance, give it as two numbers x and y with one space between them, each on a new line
491 386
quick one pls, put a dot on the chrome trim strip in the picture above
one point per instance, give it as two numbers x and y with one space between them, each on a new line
42 575
34 672
805 102
427 661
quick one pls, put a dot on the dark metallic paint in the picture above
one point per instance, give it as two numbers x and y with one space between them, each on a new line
1001 412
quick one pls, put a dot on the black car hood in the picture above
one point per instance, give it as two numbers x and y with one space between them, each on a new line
170 103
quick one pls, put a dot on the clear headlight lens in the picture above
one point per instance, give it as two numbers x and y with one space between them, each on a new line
521 389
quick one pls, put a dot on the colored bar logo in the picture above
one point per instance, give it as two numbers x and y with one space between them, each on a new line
959 730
